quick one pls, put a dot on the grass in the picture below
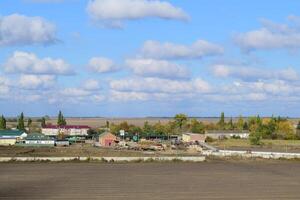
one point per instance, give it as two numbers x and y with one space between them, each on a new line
280 145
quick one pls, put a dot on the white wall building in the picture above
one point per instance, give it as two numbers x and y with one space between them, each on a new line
69 130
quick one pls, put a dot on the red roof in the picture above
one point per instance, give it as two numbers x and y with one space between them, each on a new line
67 127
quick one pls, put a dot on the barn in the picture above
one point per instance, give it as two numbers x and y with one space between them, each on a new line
107 139
10 137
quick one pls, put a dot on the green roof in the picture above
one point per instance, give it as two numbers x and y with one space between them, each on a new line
11 133
37 136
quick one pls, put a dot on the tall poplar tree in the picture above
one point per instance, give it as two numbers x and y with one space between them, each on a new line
2 123
21 125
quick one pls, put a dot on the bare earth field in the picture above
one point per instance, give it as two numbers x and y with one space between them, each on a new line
155 181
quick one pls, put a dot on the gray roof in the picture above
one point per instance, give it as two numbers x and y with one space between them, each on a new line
226 132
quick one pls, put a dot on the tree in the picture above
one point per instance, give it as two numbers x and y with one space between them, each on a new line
29 122
107 124
61 121
230 124
180 120
240 123
21 125
197 127
221 122
147 129
2 123
255 138
43 122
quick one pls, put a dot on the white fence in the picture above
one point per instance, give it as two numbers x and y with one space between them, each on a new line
253 154
103 159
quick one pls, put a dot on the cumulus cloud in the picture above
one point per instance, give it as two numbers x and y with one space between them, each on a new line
271 36
157 68
158 85
33 82
91 84
19 29
75 92
29 63
253 74
199 49
112 13
102 65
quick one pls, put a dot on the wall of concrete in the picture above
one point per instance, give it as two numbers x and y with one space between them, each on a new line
253 154
103 159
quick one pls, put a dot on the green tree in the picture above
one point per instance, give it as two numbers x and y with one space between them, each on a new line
2 123
107 124
230 124
159 129
147 129
43 122
197 127
180 120
221 122
61 121
255 138
29 122
240 123
21 125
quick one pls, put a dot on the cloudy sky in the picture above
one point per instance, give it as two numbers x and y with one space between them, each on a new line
149 57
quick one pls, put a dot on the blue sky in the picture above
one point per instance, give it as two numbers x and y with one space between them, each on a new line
134 58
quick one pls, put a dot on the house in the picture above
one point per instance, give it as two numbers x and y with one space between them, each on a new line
193 137
107 139
68 130
221 134
10 137
37 139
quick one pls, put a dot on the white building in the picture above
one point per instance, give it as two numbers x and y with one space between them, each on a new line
221 134
69 130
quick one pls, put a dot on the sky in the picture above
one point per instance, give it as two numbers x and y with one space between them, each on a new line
138 58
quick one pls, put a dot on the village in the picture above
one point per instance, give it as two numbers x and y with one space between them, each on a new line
50 136
187 137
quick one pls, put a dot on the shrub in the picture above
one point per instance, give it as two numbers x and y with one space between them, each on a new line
255 139
209 139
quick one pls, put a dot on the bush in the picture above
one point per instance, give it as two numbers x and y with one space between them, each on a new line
255 139
236 137
209 139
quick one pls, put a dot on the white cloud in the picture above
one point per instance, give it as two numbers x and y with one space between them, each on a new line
19 29
253 74
91 84
33 82
112 13
29 63
102 65
199 49
271 36
158 85
75 92
157 68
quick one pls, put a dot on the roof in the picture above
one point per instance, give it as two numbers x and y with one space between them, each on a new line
11 133
105 134
67 127
193 134
37 136
226 132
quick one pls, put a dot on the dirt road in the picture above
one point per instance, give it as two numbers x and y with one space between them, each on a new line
209 180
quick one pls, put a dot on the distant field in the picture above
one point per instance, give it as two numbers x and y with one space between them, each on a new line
96 122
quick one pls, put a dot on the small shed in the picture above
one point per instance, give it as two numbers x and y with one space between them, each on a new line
193 137
107 139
